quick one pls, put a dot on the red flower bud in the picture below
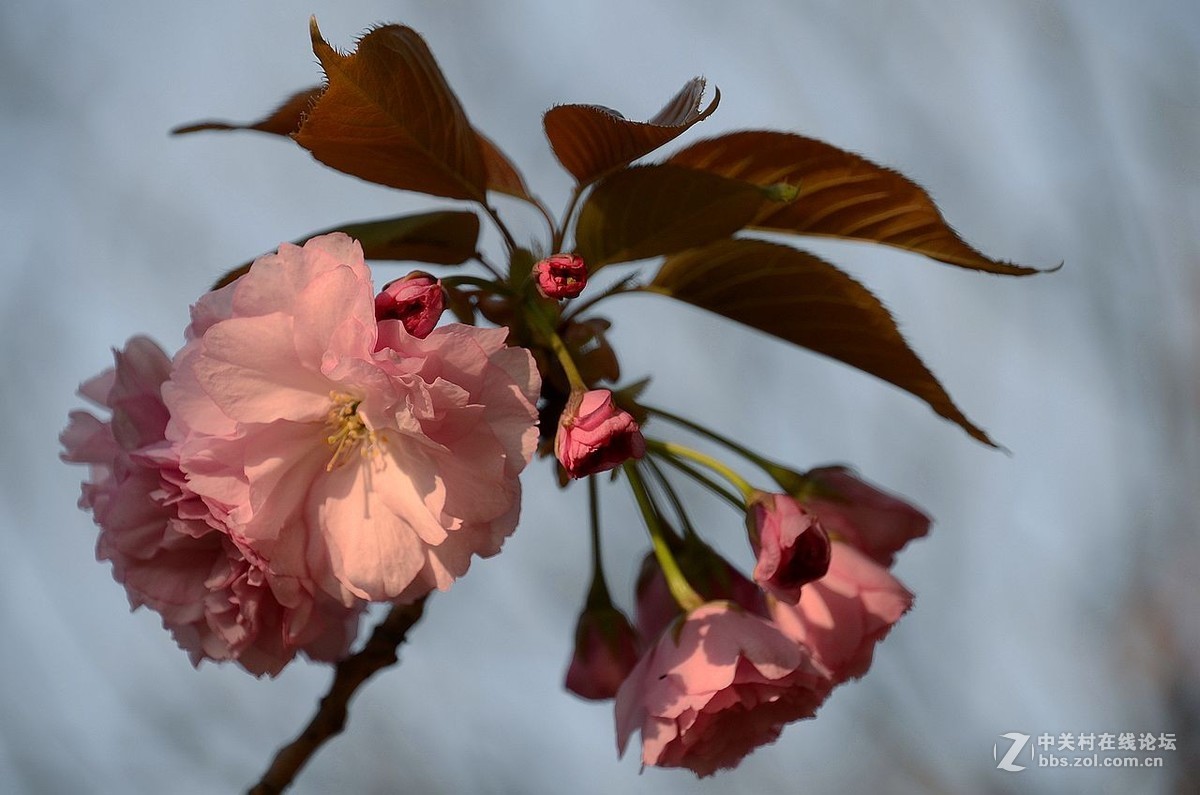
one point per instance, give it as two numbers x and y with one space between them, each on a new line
561 275
792 547
606 650
417 301
595 435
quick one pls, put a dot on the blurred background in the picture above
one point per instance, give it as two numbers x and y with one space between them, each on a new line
1058 589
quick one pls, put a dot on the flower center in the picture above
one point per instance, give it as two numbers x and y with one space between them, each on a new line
347 430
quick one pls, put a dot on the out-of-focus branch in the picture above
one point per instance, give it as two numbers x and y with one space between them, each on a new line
330 719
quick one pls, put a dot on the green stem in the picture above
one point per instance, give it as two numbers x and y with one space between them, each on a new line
546 327
564 358
790 481
684 594
598 596
680 451
703 431
705 481
672 495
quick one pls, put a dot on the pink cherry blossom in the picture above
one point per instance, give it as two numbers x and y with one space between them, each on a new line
841 616
720 684
595 435
344 451
417 301
790 544
561 275
606 650
215 597
874 521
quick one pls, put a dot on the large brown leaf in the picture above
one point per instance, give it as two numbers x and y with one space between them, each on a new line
646 211
502 175
590 140
839 194
446 237
388 116
805 300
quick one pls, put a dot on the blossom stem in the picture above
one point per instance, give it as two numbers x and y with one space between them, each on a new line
560 349
598 596
672 496
495 216
330 718
684 594
791 482
681 451
564 357
706 432
705 481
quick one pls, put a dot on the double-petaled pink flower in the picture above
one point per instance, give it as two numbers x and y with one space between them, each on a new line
346 451
216 597
701 695
715 687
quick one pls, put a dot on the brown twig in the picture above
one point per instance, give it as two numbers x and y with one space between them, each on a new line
330 719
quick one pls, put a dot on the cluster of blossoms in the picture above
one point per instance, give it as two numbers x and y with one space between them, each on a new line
718 663
318 445
315 446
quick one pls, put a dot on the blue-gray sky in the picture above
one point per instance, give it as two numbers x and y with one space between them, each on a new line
1056 592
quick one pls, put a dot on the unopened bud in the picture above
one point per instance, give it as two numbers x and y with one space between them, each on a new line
791 546
417 301
561 276
595 435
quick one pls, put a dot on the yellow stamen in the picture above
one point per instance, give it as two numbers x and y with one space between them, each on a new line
348 430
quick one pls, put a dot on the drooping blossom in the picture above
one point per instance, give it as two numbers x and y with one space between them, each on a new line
214 595
560 275
789 543
714 688
841 616
606 650
876 522
595 435
417 301
344 450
